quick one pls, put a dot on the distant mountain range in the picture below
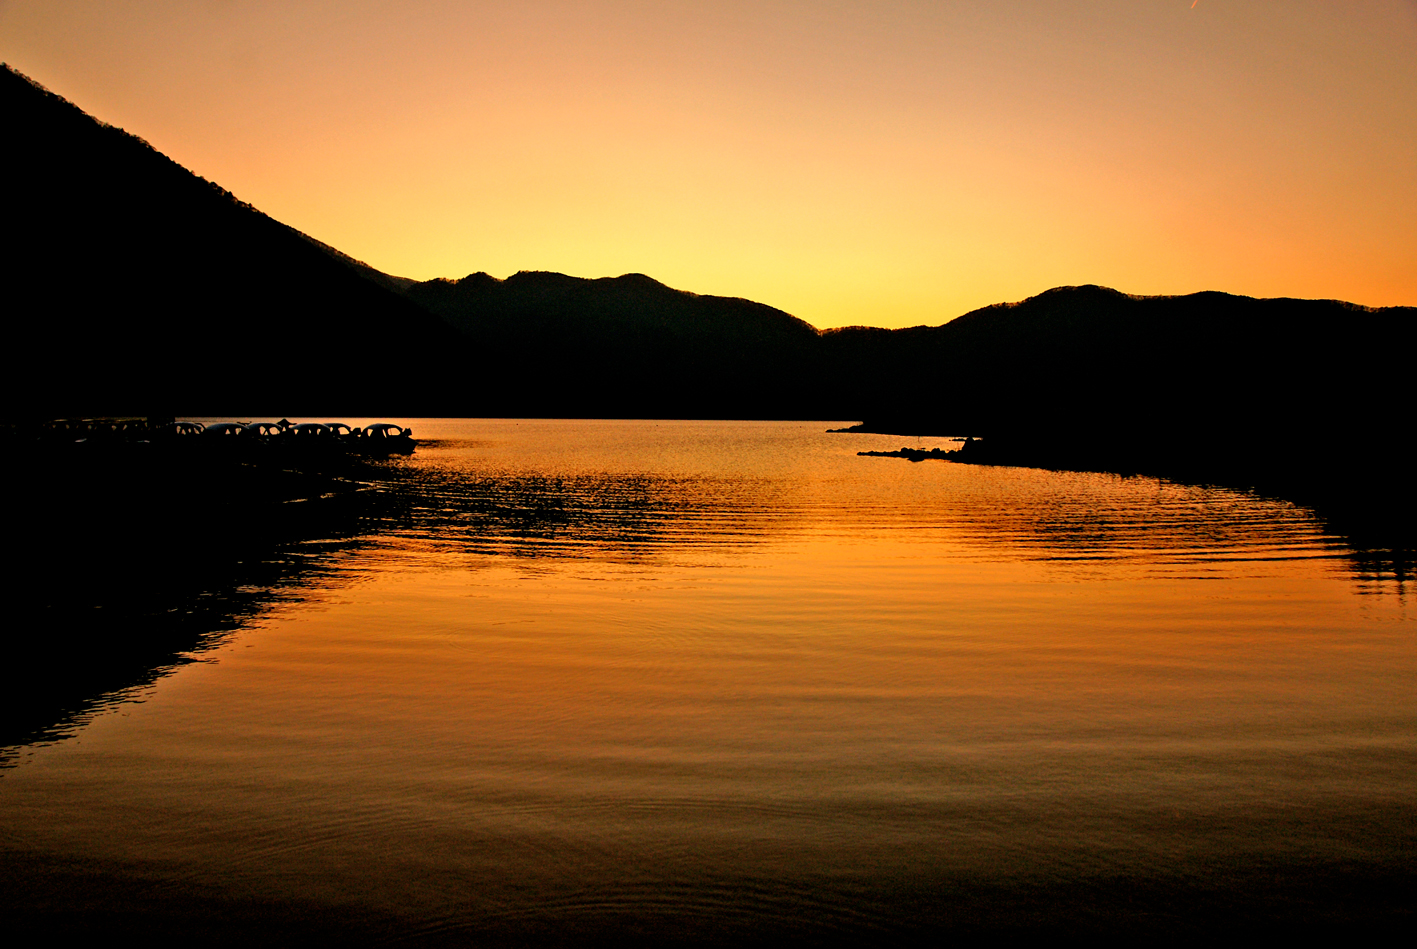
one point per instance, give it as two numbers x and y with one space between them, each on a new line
135 286
629 347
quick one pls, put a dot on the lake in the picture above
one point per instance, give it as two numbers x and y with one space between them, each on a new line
712 681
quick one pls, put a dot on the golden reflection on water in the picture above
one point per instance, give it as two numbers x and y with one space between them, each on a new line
733 672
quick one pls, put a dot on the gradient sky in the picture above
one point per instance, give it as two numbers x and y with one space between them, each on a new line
891 162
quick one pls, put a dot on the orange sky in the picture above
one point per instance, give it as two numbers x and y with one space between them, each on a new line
891 162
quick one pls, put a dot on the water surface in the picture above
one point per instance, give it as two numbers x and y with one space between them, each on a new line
729 680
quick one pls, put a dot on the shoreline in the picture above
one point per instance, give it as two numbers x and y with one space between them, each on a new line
1358 493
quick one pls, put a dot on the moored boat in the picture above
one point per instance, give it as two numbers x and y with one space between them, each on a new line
384 439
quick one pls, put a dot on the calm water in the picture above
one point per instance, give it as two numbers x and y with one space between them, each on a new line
729 680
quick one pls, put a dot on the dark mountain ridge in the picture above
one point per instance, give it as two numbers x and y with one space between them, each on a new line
1305 399
627 346
133 286
1103 358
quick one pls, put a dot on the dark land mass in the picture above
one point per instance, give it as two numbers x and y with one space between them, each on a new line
628 347
1303 399
135 287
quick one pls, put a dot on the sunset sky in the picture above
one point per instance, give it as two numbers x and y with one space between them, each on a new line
891 162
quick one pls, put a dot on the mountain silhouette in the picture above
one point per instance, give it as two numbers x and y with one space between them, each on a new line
628 347
133 286
1099 357
1306 398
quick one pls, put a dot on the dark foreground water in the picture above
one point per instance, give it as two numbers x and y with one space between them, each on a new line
728 681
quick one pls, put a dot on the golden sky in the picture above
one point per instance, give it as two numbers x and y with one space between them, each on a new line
891 162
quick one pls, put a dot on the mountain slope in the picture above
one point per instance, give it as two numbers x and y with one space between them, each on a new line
132 285
1311 399
1096 357
630 346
